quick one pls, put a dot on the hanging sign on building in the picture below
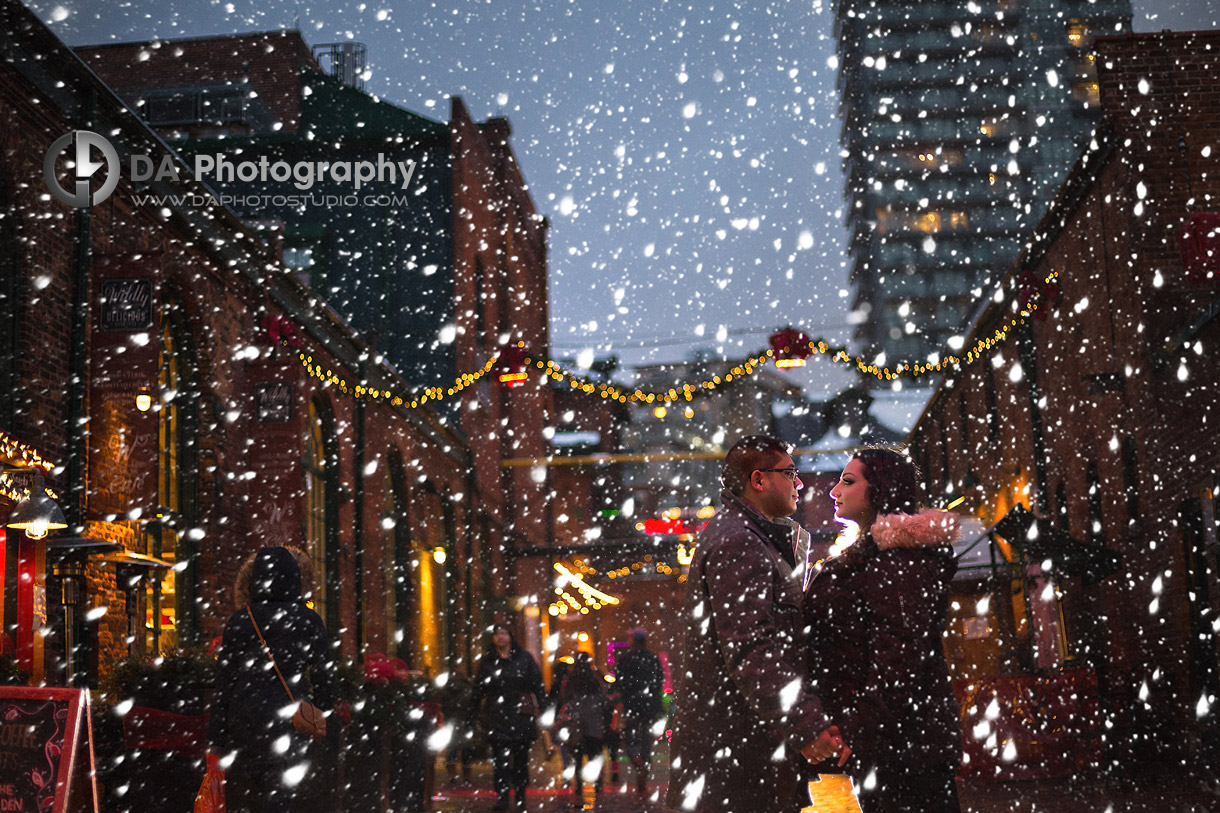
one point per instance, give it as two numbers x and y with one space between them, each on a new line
46 750
124 397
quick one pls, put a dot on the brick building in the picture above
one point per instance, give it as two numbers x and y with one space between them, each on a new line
1096 412
437 279
195 401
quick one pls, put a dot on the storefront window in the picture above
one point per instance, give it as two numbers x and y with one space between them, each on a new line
321 528
161 594
400 574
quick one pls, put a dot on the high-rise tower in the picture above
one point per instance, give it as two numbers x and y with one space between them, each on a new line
960 119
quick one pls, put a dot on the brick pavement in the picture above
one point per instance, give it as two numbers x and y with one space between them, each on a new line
548 794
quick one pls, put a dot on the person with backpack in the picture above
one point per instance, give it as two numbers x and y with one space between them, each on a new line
641 683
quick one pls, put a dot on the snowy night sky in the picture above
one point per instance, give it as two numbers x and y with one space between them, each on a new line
687 156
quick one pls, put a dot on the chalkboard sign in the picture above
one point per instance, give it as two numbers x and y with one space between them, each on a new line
46 751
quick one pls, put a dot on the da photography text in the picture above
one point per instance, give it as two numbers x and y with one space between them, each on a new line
302 174
80 146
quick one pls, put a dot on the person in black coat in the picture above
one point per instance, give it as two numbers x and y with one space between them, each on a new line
877 611
554 700
587 715
641 683
509 684
744 715
270 759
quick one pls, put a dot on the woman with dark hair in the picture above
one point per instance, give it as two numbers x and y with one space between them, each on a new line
271 759
509 682
877 612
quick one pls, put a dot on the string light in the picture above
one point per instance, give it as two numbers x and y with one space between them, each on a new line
660 399
593 599
22 456
430 394
14 451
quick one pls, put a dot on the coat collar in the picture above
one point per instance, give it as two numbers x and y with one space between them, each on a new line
784 534
928 528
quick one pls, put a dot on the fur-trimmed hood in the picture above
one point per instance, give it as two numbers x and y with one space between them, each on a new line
241 584
928 528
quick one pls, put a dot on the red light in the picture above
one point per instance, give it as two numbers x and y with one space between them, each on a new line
790 348
513 379
511 364
667 527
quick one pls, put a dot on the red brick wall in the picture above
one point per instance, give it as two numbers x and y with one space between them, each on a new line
495 222
220 306
1124 301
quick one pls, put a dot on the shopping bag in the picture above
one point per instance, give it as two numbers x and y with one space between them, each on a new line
211 796
832 793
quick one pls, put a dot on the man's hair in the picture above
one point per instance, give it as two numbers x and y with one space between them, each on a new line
893 481
749 454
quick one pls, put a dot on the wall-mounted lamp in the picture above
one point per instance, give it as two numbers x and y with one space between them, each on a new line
37 514
143 402
438 555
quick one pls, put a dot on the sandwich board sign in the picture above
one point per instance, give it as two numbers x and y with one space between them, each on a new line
46 751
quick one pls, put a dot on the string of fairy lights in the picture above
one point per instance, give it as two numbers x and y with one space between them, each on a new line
590 597
519 372
19 456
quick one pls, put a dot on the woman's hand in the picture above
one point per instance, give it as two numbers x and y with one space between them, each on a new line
828 744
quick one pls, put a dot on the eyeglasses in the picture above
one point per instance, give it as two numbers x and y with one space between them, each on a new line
792 473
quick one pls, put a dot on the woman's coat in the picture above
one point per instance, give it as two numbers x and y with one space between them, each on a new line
876 616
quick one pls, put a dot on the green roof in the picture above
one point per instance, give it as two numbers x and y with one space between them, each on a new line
332 110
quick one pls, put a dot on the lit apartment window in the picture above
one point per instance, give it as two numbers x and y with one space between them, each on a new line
1078 33
884 214
928 222
1089 92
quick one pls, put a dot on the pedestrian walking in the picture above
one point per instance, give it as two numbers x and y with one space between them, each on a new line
508 694
455 698
745 714
614 735
271 760
641 684
877 615
586 716
554 700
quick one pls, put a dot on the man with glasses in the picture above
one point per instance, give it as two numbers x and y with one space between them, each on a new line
745 713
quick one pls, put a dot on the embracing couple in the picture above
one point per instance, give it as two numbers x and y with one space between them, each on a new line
791 663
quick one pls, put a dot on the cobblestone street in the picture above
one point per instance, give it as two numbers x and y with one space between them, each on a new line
548 794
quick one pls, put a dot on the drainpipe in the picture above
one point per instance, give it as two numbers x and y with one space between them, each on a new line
77 433
1029 366
474 535
358 499
78 361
